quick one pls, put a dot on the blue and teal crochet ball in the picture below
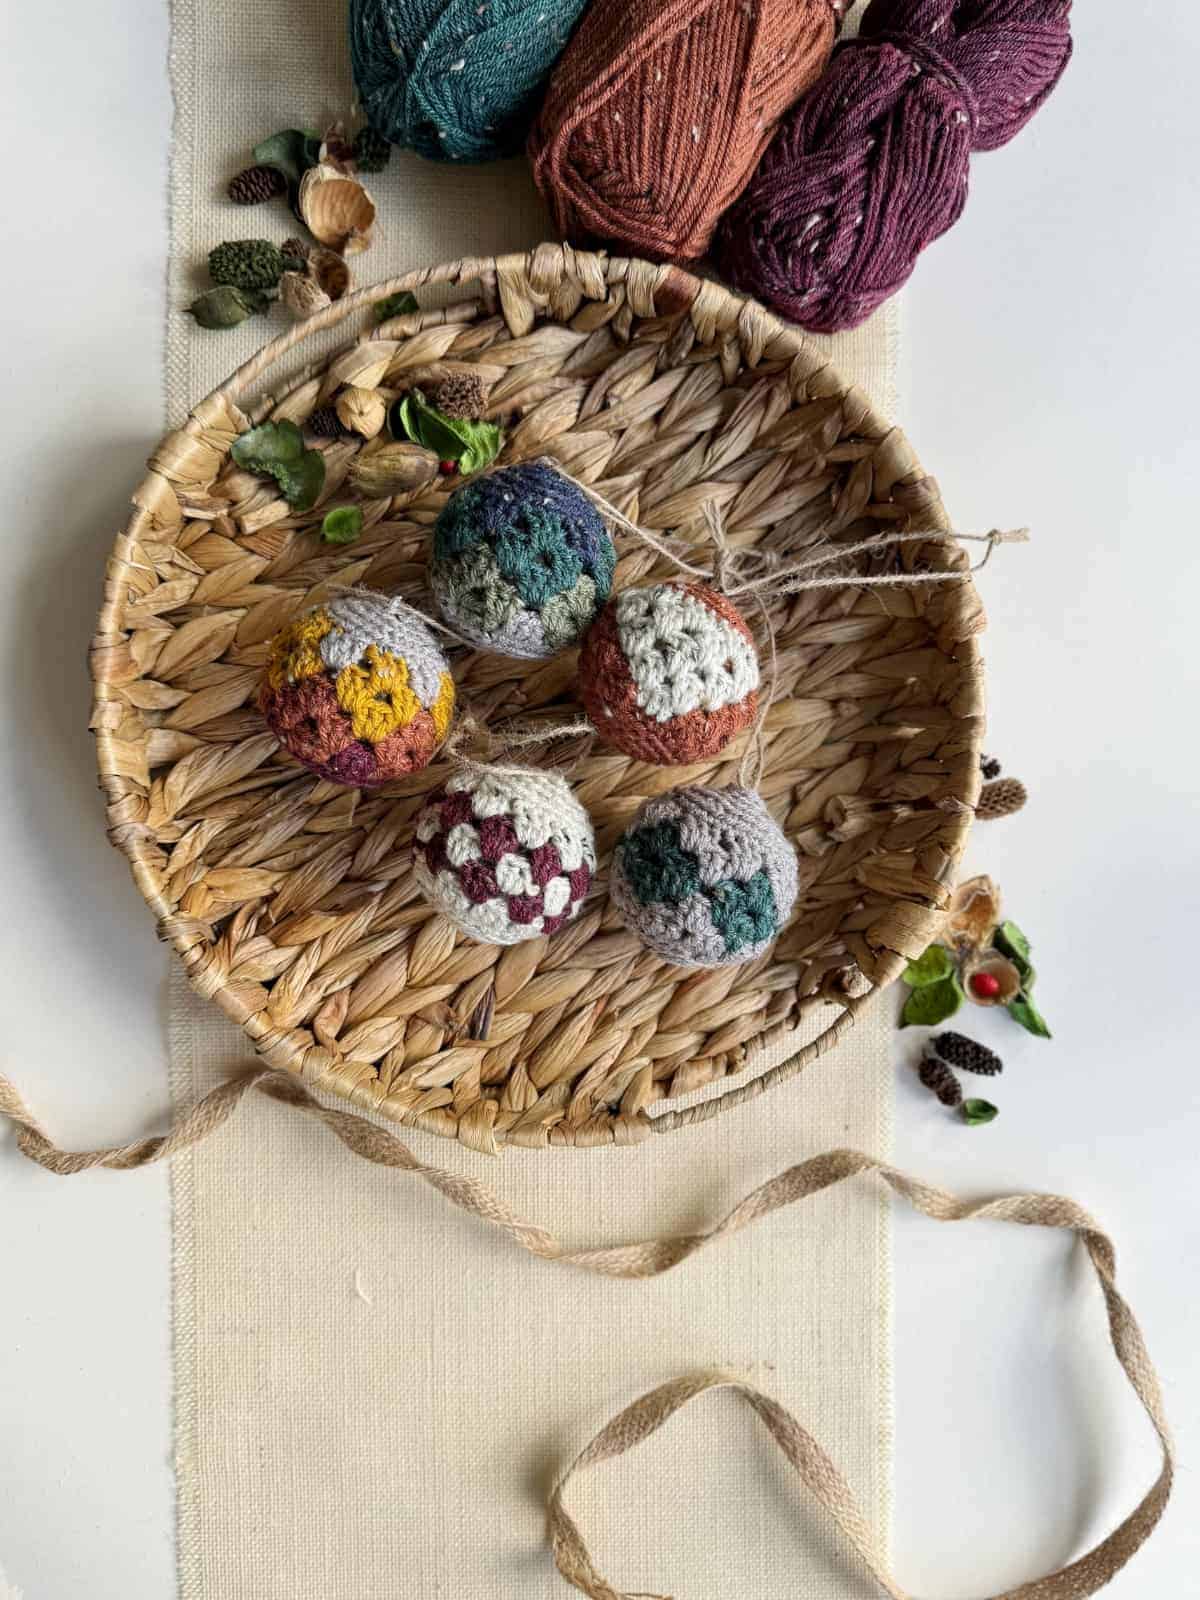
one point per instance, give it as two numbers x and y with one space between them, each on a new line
522 561
456 80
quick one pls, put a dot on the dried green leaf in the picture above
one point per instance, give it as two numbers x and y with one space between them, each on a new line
975 1113
1010 941
1023 1010
460 439
402 304
302 483
269 445
225 306
277 450
932 1003
342 525
292 151
935 964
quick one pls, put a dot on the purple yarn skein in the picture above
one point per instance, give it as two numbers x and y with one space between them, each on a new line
871 164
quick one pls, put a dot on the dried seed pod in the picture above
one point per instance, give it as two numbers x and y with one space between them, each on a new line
329 271
361 411
1002 798
393 469
246 263
990 767
460 394
991 980
303 296
336 209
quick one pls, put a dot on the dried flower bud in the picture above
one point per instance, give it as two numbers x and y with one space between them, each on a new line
393 469
361 411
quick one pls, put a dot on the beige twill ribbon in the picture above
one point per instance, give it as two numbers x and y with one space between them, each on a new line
649 1257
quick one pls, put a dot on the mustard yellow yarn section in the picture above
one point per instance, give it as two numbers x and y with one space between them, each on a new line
296 652
442 708
376 696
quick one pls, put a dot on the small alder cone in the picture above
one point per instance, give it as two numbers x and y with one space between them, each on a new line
361 411
393 469
324 423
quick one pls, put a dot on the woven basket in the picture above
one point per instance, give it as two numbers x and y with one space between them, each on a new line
292 903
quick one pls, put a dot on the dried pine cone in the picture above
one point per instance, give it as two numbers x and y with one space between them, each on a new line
990 767
256 184
936 1075
1003 798
324 423
247 264
372 151
968 1055
462 394
296 253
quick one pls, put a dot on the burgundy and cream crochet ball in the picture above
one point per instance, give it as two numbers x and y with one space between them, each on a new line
507 854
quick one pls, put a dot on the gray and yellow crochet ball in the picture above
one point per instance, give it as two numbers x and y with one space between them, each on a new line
705 877
522 561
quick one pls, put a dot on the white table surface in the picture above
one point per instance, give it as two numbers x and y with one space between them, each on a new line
1051 354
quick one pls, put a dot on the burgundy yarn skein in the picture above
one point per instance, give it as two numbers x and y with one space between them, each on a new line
871 164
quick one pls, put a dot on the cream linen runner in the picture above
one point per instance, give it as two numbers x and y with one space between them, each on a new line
374 1393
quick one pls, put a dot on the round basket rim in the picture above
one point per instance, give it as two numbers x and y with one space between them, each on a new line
651 290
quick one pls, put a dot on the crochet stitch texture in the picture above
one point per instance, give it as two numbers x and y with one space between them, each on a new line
358 690
522 561
506 853
669 673
705 877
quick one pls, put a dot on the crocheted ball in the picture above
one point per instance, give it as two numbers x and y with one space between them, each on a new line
669 673
358 690
507 854
705 877
522 561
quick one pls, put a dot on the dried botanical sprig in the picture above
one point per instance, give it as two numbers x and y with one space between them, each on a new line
246 263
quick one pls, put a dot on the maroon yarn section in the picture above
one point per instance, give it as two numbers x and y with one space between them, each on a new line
871 165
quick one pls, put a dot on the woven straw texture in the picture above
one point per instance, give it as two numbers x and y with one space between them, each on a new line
293 904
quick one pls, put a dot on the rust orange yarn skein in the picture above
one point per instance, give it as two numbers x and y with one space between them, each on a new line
656 114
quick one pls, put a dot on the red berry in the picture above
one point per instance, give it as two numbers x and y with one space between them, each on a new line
447 467
986 985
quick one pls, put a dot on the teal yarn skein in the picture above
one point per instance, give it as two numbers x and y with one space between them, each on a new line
456 80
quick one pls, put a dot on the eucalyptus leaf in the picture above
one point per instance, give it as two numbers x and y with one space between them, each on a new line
342 525
395 305
975 1113
302 483
1011 942
291 151
932 1003
935 964
1023 1010
225 306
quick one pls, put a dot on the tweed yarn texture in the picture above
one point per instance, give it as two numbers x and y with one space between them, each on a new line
872 163
705 877
358 690
506 853
669 673
522 561
456 80
657 114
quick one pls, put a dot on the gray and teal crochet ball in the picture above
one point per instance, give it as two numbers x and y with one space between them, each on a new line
522 561
456 80
705 877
